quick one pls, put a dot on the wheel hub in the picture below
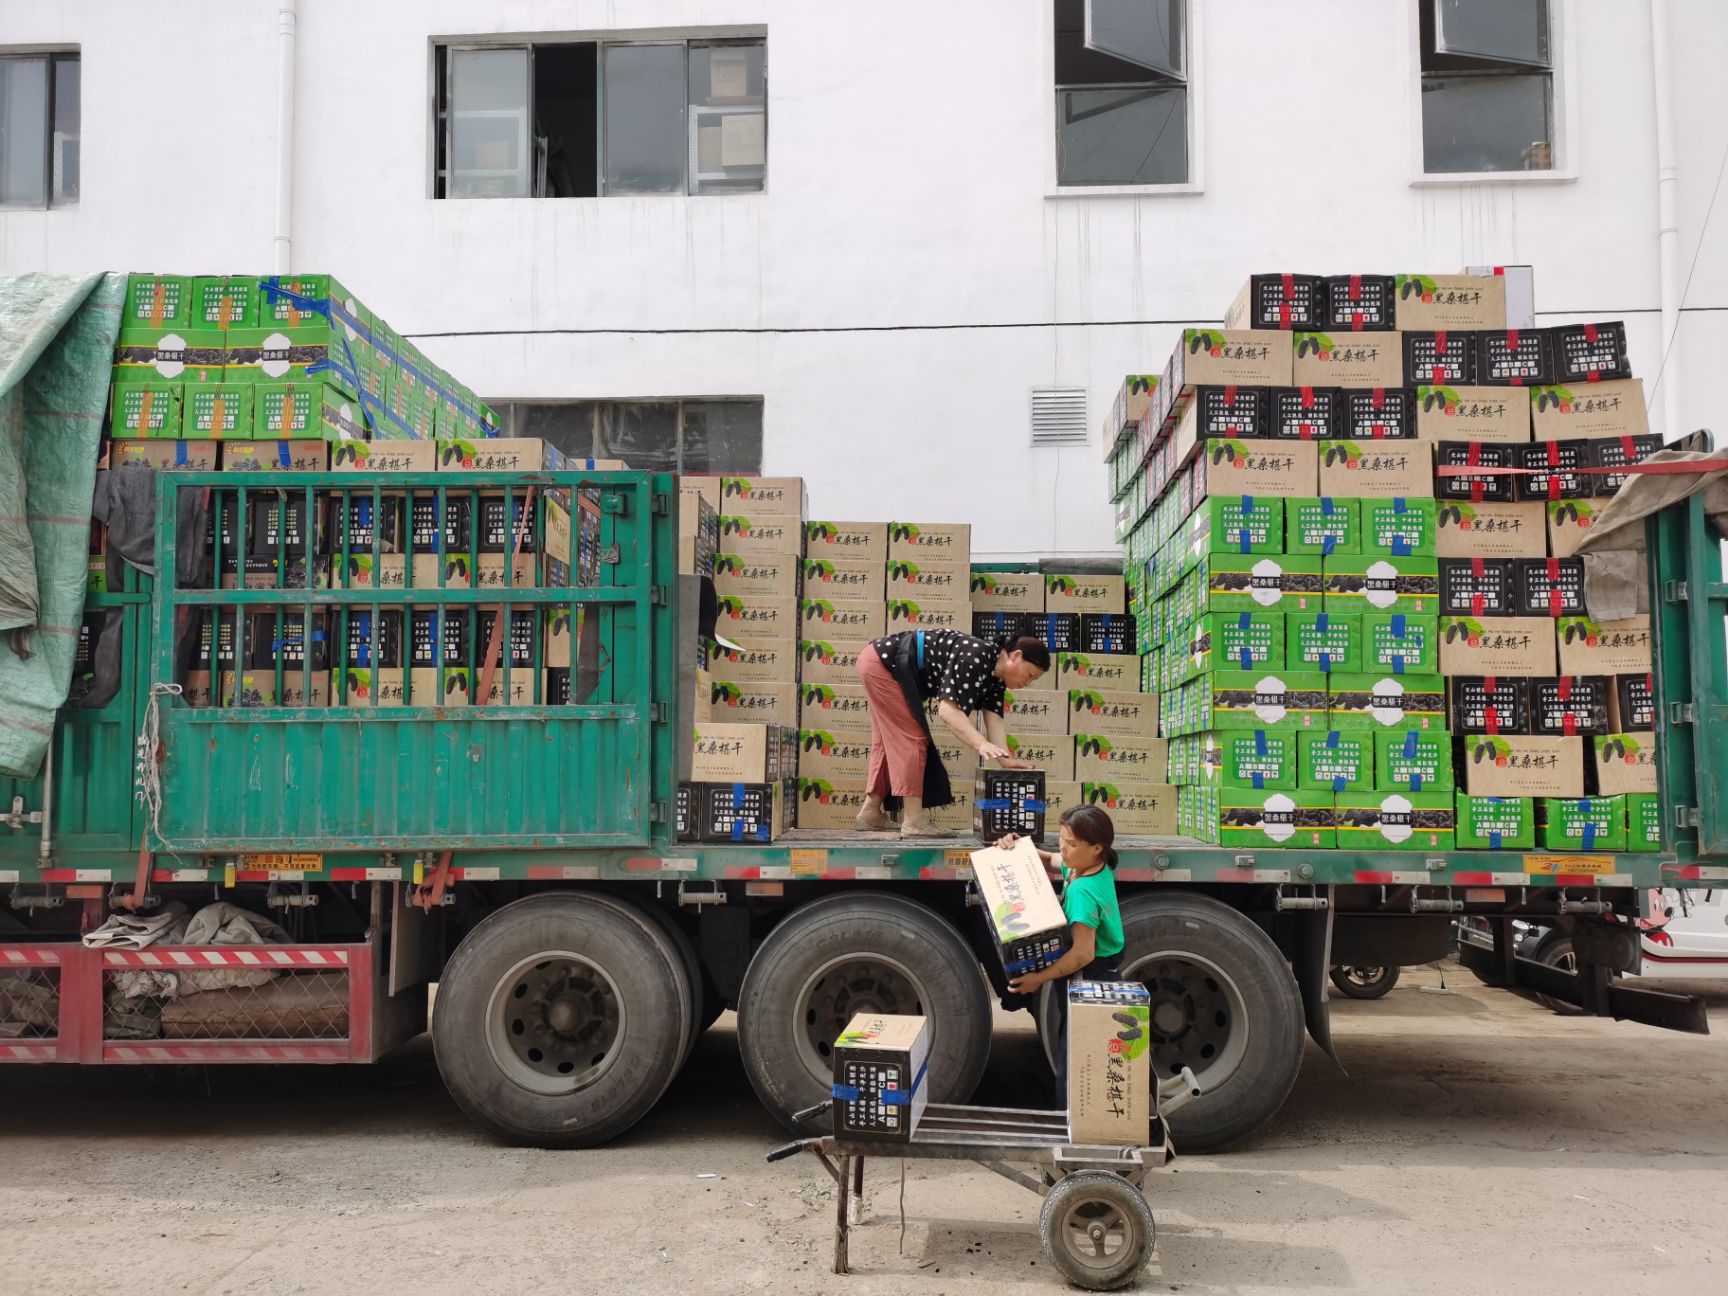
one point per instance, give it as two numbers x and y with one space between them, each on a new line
839 990
555 1022
1197 1016
1095 1233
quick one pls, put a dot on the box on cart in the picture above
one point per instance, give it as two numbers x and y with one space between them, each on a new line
1109 1062
881 1080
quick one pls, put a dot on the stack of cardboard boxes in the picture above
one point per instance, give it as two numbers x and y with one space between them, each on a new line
1359 641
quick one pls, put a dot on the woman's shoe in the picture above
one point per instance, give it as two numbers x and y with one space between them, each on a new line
925 829
873 823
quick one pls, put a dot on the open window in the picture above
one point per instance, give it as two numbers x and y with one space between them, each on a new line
1487 85
1122 105
682 436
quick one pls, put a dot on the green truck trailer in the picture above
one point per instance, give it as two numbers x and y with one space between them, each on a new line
524 858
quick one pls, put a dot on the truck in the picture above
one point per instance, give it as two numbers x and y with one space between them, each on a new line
524 860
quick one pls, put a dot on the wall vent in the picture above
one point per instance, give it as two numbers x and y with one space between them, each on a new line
1058 416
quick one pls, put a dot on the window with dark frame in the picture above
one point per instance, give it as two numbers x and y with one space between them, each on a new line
1487 85
1121 92
39 129
585 119
721 435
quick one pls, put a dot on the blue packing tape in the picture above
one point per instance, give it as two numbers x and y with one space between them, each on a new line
1397 625
179 454
903 1097
1410 745
1494 839
1325 506
1245 620
1325 661
992 803
1259 742
737 796
1401 547
282 455
846 1093
1328 545
1398 664
1332 737
1415 782
1321 622
1245 543
1247 658
1247 503
1037 807
1589 834
1400 505
1339 783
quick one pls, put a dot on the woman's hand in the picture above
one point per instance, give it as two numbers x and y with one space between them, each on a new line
1007 843
1013 764
1028 982
988 750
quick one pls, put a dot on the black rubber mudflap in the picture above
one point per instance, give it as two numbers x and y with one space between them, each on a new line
1312 963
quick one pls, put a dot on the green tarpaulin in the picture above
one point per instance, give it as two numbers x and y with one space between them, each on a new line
57 337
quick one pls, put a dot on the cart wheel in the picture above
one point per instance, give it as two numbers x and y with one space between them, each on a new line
1096 1229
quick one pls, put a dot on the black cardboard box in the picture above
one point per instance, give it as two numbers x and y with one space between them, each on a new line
687 824
1358 303
743 812
1552 587
1617 452
1513 358
1477 587
1107 632
1304 413
1378 413
1490 705
1553 470
279 634
1278 301
1476 487
1059 631
1441 359
1568 706
1008 801
1633 703
996 625
881 1081
1586 353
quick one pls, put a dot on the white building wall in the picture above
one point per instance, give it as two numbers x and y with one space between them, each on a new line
908 276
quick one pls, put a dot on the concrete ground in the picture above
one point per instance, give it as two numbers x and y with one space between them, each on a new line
1477 1144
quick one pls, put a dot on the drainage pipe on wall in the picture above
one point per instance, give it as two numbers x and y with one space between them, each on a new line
287 25
1667 219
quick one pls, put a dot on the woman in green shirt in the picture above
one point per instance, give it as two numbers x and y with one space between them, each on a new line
1086 868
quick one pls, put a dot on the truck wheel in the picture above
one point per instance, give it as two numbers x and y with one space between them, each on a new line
692 966
852 954
561 1019
1224 1003
1364 982
1556 952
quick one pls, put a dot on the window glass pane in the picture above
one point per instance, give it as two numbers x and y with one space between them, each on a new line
1147 33
65 140
644 119
489 153
728 118
566 425
1128 136
1487 123
723 437
644 434
1512 30
23 131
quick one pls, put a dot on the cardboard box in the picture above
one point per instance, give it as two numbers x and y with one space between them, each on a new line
1099 758
843 621
1324 642
993 591
1393 702
1380 470
701 705
1348 360
1465 470
744 812
223 302
166 456
1588 410
1400 642
1451 301
1569 706
703 486
822 804
1590 353
1084 593
1115 715
755 702
183 356
147 409
1219 413
1258 469
1582 823
1279 301
762 576
1110 1077
1411 761
158 301
369 685
1235 641
1456 413
1137 809
1057 631
1496 823
1590 647
736 753
1059 797
1498 646
1036 712
847 542
1643 821
1324 526
1549 586
1632 703
308 410
1105 633
1262 699
1340 760
1357 302
1514 358
1554 470
1027 925
1517 765
1053 754
1490 705
759 620
1477 587
213 413
498 454
781 497
880 1081
1244 817
1232 358
1439 358
698 534
1254 583
821 662
840 758
845 580
1243 525
934 542
754 536
959 760
1382 820
1115 672
1625 762
275 456
904 614
1376 583
1008 801
1618 452
837 708
1258 759
755 661
931 584
257 688
1490 530
1304 413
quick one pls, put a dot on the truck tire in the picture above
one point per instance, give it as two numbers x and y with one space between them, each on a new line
686 951
1224 1003
1556 952
561 1019
1364 982
850 954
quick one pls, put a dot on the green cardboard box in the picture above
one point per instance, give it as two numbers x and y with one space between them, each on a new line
1246 817
218 413
157 301
1643 821
152 410
1399 642
178 355
1364 701
1413 760
1378 583
1235 582
1258 699
1496 823
1260 758
224 302
1236 641
1323 526
1383 820
1591 823
277 311
268 355
1336 760
1323 641
306 411
1233 524
1399 528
